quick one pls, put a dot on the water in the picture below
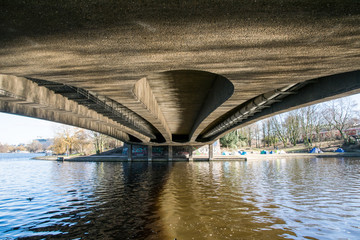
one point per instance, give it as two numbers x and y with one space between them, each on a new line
268 199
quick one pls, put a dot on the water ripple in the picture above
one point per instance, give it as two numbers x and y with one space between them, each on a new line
269 199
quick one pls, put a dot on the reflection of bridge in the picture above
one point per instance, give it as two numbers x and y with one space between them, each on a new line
174 73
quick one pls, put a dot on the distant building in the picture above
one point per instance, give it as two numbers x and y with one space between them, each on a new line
353 131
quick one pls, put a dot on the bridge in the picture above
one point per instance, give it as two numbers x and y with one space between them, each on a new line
164 73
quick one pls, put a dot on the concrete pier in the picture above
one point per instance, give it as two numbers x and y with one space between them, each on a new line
171 153
149 149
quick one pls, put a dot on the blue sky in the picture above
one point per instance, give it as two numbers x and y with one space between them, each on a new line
17 129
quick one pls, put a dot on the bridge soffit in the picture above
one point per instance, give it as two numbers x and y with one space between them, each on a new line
78 107
177 102
25 97
282 100
149 108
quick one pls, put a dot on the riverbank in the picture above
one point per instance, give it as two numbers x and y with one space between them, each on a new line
122 158
325 146
302 155
250 156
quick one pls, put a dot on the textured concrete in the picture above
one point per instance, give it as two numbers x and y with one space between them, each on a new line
162 60
22 96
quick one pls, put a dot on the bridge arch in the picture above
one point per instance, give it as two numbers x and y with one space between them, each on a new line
283 100
78 107
180 100
31 98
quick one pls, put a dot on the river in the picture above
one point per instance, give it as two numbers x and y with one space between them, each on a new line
316 198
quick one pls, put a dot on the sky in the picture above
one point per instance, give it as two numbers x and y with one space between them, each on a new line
16 129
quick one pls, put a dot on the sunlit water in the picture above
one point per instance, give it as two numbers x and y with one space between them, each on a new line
268 199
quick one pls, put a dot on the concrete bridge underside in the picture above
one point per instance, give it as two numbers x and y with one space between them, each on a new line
166 73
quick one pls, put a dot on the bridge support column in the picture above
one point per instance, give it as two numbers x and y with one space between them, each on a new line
149 153
130 152
211 152
190 149
170 152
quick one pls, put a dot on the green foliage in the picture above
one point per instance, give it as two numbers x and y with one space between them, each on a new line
230 140
233 140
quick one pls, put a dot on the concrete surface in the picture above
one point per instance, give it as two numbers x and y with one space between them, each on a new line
164 61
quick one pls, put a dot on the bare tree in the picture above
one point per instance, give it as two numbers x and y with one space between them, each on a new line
35 146
267 133
263 128
66 140
249 134
257 134
83 141
59 146
278 126
4 148
292 123
307 124
318 122
339 114
269 136
99 141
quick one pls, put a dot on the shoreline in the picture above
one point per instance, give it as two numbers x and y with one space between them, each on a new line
303 155
251 156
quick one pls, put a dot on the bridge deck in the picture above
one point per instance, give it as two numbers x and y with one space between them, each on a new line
172 73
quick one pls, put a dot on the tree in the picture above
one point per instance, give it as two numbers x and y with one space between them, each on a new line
20 148
4 148
114 143
279 129
264 133
99 142
66 140
307 124
249 134
292 123
102 142
83 141
339 114
230 140
269 136
34 146
318 123
257 134
59 146
76 140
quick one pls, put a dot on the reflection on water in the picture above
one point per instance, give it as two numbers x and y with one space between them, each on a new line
277 199
273 199
73 200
